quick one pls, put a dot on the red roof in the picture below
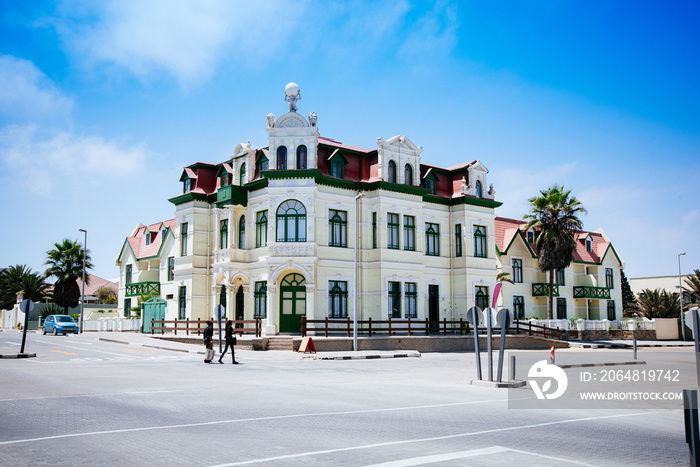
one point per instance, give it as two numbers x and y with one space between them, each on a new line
137 240
94 283
507 229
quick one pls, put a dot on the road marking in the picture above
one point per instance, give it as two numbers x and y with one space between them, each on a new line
67 353
326 414
435 438
471 453
139 350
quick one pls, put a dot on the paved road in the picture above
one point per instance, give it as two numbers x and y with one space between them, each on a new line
85 401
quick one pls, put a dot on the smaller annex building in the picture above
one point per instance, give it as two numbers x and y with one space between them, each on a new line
590 288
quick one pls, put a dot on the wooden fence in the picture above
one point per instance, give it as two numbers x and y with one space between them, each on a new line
412 326
240 326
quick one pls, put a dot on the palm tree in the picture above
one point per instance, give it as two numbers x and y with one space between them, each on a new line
20 278
658 303
65 263
693 289
554 216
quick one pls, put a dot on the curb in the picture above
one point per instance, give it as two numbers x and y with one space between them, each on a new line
588 365
19 355
363 357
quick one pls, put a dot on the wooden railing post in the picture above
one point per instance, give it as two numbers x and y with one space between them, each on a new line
444 328
369 326
409 325
390 325
427 326
303 326
348 325
529 328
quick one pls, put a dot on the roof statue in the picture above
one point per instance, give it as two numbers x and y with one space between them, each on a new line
291 95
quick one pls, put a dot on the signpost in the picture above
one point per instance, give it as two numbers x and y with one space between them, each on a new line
504 318
474 317
219 312
26 306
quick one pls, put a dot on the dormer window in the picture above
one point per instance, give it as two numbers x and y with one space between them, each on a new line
530 236
589 244
391 175
147 234
431 184
165 231
224 179
263 165
186 185
336 168
242 180
478 191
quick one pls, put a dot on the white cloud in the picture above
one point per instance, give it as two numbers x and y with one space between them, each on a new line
38 159
26 93
433 34
186 39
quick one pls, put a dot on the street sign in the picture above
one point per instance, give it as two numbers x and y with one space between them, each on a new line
26 306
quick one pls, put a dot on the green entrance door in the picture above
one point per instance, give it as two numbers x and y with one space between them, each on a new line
152 309
292 302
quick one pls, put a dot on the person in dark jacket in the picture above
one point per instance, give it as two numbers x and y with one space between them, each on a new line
208 341
230 342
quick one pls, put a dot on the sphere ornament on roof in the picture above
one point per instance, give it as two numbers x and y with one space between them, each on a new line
292 95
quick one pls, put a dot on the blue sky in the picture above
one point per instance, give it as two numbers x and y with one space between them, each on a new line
103 103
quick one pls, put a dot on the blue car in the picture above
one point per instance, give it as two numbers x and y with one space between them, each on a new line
60 324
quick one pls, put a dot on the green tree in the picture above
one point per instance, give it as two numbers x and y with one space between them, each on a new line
20 278
106 295
658 304
65 264
630 307
554 217
693 286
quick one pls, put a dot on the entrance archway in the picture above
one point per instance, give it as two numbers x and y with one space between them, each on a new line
292 302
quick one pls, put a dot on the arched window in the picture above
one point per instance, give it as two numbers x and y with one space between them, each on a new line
392 172
408 175
479 192
242 181
291 222
282 158
301 157
241 233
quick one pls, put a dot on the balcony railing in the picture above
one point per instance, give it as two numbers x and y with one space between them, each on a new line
541 289
591 292
137 289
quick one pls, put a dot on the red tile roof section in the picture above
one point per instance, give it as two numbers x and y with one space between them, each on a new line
506 229
137 241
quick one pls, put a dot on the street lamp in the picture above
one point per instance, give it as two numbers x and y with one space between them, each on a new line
357 245
82 297
680 291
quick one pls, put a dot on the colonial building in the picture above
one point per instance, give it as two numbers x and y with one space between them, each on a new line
309 226
590 288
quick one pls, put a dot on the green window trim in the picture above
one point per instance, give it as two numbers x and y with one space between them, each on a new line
260 296
291 222
337 169
223 234
409 233
241 233
261 229
560 277
182 302
458 240
611 310
480 248
517 270
127 307
394 295
482 296
171 268
561 308
183 239
432 239
374 230
411 299
609 281
392 238
337 299
127 274
338 228
518 307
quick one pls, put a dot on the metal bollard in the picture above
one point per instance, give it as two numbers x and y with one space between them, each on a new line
634 348
512 367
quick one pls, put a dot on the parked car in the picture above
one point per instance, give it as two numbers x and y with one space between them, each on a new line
60 324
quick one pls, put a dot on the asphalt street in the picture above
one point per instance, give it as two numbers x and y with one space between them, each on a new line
86 401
